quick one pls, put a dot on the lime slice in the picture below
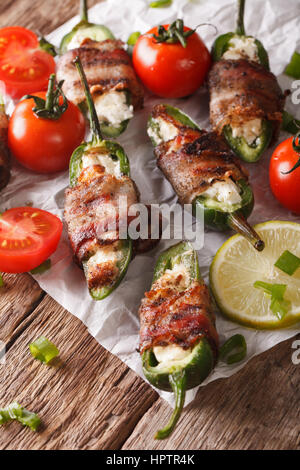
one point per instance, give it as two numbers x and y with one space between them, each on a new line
237 265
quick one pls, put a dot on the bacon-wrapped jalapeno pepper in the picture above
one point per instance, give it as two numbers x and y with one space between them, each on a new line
246 102
203 171
99 175
178 339
114 86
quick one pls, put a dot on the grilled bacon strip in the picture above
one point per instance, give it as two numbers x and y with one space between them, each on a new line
107 66
4 153
241 90
194 159
171 317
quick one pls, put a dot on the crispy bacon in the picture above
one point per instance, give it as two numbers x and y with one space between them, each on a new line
107 66
242 90
168 316
92 213
194 159
4 153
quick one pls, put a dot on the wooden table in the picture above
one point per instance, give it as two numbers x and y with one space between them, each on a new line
93 401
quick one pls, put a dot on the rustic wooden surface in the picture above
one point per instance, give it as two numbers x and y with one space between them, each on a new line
92 400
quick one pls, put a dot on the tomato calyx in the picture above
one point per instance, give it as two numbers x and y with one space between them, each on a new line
173 33
51 107
296 148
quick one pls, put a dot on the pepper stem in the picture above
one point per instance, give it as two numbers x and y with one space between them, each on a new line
83 10
238 223
240 28
94 121
178 384
50 93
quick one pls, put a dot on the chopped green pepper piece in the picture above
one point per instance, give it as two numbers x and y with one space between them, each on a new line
235 342
45 266
288 263
279 306
194 368
131 41
29 419
10 412
289 123
1 281
43 350
93 31
293 68
160 3
14 411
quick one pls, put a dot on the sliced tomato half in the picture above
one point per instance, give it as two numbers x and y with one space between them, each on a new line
28 236
24 68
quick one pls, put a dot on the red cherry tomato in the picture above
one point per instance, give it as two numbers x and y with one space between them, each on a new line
28 236
171 70
44 145
24 68
285 187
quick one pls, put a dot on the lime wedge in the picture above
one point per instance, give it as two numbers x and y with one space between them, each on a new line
237 265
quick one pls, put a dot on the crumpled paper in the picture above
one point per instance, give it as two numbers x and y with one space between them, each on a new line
114 321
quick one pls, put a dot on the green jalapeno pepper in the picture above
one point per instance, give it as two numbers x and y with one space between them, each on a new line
223 42
248 152
190 371
217 216
115 152
93 31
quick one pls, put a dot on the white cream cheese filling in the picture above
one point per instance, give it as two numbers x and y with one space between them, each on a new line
111 166
241 47
170 353
250 130
112 108
163 131
226 192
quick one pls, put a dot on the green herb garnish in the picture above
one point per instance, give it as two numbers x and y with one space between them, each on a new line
16 412
43 350
279 306
293 68
160 3
236 342
288 263
42 267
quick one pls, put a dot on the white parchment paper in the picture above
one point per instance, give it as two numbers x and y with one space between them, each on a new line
114 321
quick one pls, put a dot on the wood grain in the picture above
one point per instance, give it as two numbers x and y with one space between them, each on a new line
91 401
257 408
40 15
18 298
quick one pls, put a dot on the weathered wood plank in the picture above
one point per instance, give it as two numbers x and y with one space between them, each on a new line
93 401
18 298
258 408
43 16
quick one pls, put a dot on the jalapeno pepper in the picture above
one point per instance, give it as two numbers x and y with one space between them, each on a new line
93 31
223 42
180 375
115 152
250 152
217 215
